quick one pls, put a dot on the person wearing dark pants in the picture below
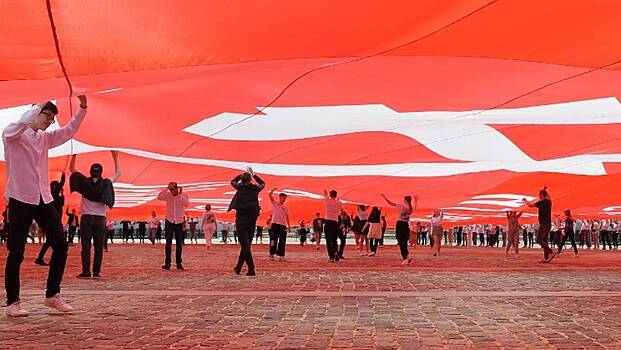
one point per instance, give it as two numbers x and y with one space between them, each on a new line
344 227
568 233
245 202
173 230
56 189
176 202
280 225
72 223
26 145
97 196
402 229
331 230
109 234
341 235
374 227
331 224
544 207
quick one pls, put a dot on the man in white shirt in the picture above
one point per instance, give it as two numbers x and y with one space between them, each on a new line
176 202
94 207
26 145
331 224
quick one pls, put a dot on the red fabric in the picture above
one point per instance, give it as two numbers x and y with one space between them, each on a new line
154 68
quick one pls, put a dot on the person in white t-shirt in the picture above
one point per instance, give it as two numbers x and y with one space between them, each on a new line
280 225
154 222
331 223
94 210
209 225
402 228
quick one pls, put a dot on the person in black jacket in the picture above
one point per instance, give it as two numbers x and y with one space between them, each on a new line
247 209
56 188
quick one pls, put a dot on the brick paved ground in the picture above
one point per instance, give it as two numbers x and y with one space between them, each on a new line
467 298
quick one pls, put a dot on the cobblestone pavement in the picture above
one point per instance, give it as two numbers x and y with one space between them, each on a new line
466 298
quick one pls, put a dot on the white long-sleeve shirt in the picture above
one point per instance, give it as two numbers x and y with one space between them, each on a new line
26 154
175 205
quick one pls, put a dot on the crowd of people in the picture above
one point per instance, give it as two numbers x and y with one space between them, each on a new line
36 207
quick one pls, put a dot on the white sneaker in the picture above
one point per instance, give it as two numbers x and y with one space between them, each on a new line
15 310
57 303
371 254
404 262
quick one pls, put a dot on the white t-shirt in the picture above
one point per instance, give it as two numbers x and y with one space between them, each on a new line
280 213
88 207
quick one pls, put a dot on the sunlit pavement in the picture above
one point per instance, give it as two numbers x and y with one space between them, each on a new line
466 298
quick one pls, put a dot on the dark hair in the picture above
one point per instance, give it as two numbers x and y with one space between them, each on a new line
408 200
246 177
544 192
50 107
375 214
362 207
333 193
281 194
568 212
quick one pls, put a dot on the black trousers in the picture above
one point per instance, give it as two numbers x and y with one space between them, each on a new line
173 230
71 233
92 227
542 239
570 236
605 238
278 240
44 249
402 231
374 242
246 225
342 236
331 229
20 218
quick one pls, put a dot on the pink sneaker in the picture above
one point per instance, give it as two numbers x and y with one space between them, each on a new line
15 310
57 303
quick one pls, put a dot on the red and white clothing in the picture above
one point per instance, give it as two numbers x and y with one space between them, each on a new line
175 206
26 154
404 212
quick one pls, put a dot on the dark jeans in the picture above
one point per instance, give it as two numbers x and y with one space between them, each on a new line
605 238
402 232
571 237
374 242
278 240
542 239
71 233
44 249
331 229
246 225
92 227
20 218
342 236
525 238
173 230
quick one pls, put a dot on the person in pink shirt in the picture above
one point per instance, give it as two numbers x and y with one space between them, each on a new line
26 145
176 202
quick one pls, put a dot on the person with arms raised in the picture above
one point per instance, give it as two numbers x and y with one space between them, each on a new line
97 196
280 225
26 145
176 202
544 207
245 202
